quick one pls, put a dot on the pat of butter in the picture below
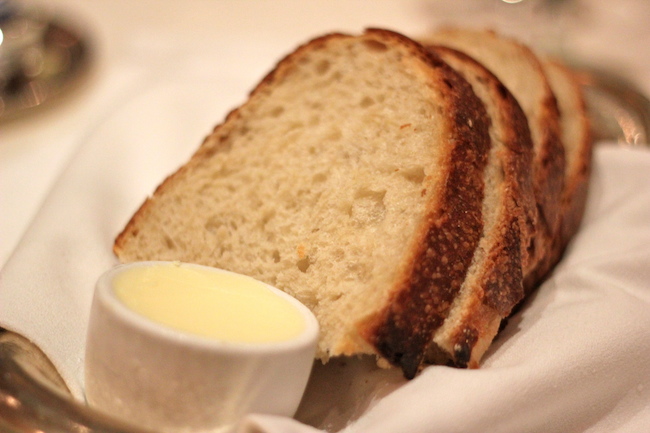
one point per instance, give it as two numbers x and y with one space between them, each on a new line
223 306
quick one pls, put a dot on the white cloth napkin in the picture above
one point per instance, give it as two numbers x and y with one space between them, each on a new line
576 358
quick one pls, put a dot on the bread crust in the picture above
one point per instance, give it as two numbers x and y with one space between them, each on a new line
574 195
544 120
497 284
448 237
577 170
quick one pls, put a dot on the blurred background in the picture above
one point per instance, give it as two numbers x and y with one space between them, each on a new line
94 57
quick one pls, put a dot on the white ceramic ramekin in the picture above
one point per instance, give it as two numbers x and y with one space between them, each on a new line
167 380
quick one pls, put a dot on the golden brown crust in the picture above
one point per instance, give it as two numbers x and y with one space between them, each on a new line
549 166
517 157
549 169
574 194
403 329
502 290
498 285
549 159
574 198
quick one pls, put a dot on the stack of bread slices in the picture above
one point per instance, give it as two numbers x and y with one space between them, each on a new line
410 193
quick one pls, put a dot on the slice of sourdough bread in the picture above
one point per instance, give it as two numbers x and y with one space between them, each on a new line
578 147
352 179
494 282
522 73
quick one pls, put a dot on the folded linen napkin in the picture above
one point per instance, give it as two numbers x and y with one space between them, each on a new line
575 358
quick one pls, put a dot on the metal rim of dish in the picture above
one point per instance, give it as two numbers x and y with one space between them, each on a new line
618 111
44 59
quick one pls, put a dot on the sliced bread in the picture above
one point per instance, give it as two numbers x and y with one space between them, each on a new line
352 178
520 70
578 146
494 283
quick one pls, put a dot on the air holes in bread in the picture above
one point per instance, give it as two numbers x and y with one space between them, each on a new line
169 243
267 217
368 207
334 135
303 264
277 112
212 224
366 102
413 174
322 67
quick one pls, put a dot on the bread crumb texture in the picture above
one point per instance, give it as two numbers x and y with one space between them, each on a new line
317 185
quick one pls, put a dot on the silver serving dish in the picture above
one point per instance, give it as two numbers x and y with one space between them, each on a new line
34 398
41 59
618 111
